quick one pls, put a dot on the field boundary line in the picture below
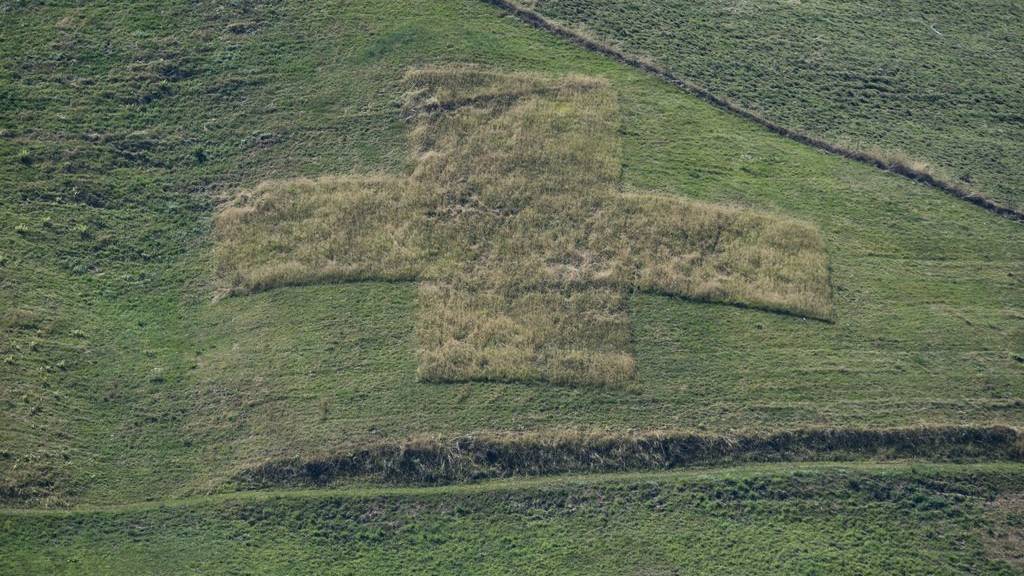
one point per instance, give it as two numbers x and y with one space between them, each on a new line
899 167
439 460
520 484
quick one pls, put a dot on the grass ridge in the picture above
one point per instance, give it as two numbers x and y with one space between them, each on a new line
519 485
891 163
440 460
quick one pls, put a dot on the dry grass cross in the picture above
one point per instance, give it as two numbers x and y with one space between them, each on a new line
515 224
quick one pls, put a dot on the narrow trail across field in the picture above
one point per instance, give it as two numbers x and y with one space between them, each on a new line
895 166
522 484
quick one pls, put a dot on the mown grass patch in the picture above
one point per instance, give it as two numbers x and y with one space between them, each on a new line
792 519
931 89
1004 536
514 205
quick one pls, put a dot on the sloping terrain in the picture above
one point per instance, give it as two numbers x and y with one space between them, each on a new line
936 84
126 377
771 520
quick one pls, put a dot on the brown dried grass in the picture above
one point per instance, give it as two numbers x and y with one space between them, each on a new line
515 221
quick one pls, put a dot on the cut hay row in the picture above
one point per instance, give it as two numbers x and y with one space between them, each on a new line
895 163
515 222
440 460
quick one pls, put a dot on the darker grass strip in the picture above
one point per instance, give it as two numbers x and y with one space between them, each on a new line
439 460
895 166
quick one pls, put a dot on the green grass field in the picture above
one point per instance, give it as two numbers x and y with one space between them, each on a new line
123 379
936 81
836 520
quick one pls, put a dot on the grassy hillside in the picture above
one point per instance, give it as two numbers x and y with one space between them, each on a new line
849 520
936 81
124 379
138 405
